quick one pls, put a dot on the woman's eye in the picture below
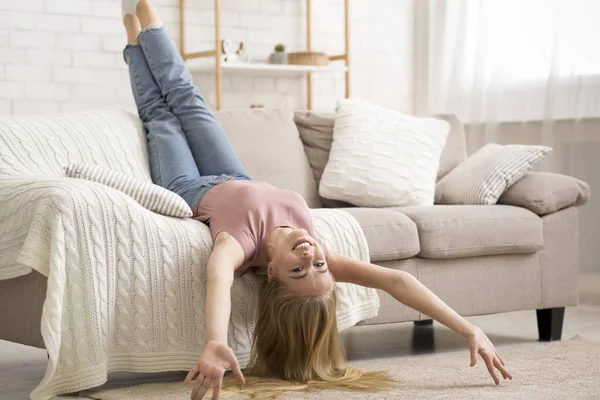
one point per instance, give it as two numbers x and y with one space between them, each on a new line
319 264
298 269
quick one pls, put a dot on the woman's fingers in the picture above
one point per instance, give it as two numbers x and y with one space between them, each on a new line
490 366
191 374
473 349
237 372
204 388
502 369
217 388
499 358
197 385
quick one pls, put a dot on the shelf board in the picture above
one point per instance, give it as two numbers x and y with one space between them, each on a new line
268 69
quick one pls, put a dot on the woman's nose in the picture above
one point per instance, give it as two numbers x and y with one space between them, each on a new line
308 252
308 256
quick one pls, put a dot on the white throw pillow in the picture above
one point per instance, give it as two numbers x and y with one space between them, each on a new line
488 173
381 157
153 197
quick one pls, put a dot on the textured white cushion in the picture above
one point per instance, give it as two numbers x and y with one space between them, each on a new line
153 197
381 157
489 172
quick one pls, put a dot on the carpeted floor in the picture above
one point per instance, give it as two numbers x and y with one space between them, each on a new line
567 369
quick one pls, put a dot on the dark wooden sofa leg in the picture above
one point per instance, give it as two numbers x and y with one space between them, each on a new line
550 323
424 322
423 337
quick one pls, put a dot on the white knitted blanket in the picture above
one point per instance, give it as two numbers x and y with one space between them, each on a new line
126 286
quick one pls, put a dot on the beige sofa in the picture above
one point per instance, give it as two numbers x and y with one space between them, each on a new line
521 254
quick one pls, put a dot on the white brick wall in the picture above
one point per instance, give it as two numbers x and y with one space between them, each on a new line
66 54
27 73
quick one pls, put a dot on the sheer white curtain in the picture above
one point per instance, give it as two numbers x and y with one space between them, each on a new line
508 60
499 61
519 72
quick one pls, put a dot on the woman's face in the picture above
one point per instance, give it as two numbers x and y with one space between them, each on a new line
299 263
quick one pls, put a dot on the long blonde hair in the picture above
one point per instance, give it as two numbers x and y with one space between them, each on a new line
296 347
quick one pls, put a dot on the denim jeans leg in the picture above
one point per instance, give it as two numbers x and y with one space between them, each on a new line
211 149
171 162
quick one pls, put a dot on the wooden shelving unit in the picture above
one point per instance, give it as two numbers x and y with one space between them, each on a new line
268 69
263 69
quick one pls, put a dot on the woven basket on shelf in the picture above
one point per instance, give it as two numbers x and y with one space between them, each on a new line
308 58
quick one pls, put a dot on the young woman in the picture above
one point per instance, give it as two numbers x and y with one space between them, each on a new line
256 224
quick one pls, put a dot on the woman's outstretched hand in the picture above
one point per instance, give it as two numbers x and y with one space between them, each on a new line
480 344
215 359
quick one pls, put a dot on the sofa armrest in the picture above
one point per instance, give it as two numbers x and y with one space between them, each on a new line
546 193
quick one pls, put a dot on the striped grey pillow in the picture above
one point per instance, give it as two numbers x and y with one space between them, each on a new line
489 172
153 197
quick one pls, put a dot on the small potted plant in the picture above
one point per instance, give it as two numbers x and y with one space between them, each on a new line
279 56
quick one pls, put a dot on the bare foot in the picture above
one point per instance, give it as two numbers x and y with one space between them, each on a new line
147 13
133 27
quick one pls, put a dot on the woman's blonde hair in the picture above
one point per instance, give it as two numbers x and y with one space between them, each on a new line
296 347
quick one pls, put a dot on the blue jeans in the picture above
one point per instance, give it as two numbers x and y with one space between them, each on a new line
189 151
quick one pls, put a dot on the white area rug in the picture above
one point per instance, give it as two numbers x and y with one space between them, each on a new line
557 370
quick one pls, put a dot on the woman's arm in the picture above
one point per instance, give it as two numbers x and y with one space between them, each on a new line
409 291
227 255
217 356
400 285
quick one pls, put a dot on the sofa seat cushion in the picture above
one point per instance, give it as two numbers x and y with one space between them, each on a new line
454 231
391 235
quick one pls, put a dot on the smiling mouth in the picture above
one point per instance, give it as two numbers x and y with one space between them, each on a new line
302 244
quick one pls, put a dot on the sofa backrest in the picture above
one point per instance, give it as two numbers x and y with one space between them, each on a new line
289 150
44 144
269 146
455 149
267 142
316 133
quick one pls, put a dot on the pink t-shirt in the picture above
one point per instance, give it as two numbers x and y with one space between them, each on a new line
250 210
